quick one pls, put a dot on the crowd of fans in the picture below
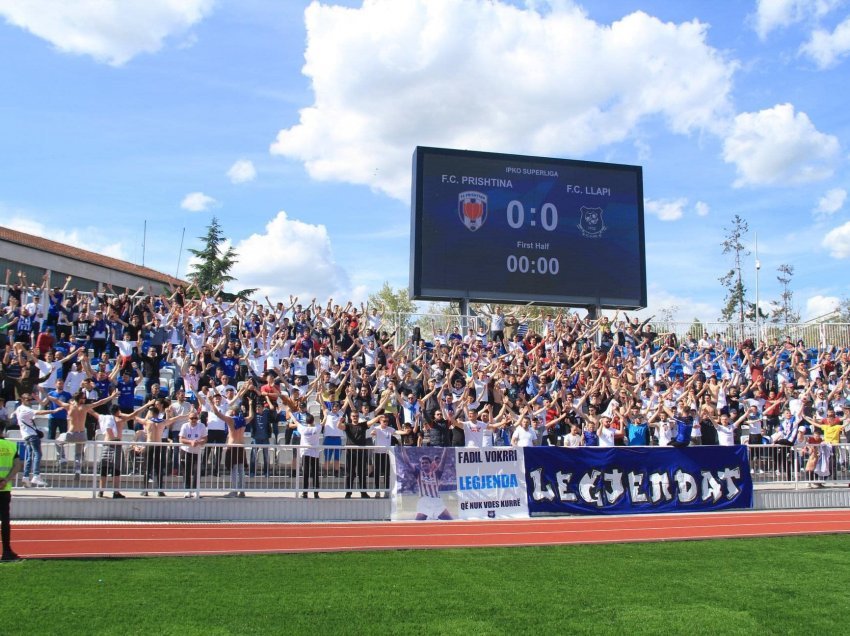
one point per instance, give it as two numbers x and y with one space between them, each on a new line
326 375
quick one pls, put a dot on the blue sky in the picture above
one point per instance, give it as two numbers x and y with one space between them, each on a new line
294 123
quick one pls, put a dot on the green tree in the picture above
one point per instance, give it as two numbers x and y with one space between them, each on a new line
397 308
210 273
735 303
750 313
785 312
392 300
696 329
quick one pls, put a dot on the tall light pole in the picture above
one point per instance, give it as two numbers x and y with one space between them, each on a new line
758 318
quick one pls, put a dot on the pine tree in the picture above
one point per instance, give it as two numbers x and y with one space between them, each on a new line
785 312
211 272
735 301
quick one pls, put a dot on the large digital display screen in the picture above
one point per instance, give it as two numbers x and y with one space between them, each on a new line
511 228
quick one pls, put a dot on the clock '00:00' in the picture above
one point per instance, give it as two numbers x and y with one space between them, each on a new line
539 265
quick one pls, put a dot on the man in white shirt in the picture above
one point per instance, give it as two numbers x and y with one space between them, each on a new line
574 438
26 415
256 362
606 432
473 429
524 435
383 439
216 431
193 437
311 441
333 436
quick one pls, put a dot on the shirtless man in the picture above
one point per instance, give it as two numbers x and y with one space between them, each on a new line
77 411
234 457
110 454
154 424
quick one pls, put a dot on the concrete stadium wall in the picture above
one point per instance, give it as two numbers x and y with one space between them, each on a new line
216 508
206 509
79 269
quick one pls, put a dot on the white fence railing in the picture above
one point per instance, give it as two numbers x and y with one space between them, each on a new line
813 335
162 469
804 465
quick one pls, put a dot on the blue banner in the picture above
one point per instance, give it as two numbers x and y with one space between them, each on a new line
625 480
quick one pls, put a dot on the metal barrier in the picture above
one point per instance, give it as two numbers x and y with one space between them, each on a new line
149 469
813 334
163 469
800 465
439 326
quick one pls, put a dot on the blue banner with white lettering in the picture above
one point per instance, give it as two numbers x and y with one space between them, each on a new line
623 480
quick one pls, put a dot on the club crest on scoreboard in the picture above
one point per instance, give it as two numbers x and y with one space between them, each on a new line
472 209
591 223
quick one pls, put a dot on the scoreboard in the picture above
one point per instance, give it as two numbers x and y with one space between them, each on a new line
511 228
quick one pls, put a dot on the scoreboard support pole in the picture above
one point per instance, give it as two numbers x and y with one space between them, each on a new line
598 310
593 313
463 305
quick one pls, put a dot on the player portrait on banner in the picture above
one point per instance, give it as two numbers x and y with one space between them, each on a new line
425 484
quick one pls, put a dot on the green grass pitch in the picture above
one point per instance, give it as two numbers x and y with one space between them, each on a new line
789 585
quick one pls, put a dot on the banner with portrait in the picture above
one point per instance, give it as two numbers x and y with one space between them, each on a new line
459 483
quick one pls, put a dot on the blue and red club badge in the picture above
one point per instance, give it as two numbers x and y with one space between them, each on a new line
472 209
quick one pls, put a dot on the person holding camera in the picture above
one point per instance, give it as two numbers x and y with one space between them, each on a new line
26 415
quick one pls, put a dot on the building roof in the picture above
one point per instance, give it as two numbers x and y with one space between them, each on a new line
68 251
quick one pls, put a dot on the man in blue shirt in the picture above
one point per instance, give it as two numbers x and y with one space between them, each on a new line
126 386
229 364
684 425
261 435
24 325
58 421
637 431
591 437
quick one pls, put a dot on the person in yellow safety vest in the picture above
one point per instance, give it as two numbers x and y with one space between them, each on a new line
10 465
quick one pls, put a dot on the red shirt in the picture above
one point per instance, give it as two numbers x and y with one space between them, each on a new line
44 342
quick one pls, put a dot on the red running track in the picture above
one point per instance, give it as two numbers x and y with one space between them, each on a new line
158 539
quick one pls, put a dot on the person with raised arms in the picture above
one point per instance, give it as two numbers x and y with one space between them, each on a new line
111 455
234 456
155 425
77 411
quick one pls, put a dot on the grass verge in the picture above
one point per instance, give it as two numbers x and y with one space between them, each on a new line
741 586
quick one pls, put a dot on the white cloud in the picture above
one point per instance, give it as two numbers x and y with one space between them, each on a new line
242 171
393 75
818 305
774 14
292 257
666 209
89 238
779 146
831 202
197 202
701 208
827 48
837 241
111 31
